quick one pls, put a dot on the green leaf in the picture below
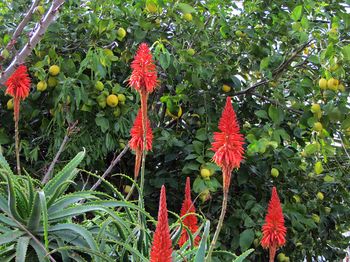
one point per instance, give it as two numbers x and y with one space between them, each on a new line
276 114
35 215
21 249
45 218
12 202
41 254
10 236
186 8
200 256
264 63
79 230
244 255
297 12
66 174
261 114
5 165
346 52
103 123
246 238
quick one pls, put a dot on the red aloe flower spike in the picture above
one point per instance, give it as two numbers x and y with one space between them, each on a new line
274 231
144 73
18 86
136 141
228 144
161 247
189 221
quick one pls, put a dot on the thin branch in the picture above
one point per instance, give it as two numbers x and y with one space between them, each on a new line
33 237
278 103
38 33
276 73
109 169
70 130
21 26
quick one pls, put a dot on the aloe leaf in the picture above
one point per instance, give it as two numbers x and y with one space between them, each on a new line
35 216
67 173
10 236
7 221
21 249
60 190
45 217
85 234
12 203
70 199
93 206
41 255
200 256
244 255
5 165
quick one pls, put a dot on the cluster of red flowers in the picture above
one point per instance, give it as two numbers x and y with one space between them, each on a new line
190 219
143 79
228 143
136 141
274 231
228 148
161 246
18 86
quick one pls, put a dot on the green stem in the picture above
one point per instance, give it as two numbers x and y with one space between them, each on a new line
219 226
16 118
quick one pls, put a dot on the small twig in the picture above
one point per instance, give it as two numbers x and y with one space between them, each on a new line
70 130
20 27
109 169
39 32
276 73
33 237
277 103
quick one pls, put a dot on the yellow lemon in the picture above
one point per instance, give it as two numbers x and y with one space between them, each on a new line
320 196
315 108
127 189
112 100
99 86
274 172
10 104
332 84
41 86
54 70
205 173
121 32
341 88
188 17
318 126
191 51
52 81
121 98
226 88
316 218
322 83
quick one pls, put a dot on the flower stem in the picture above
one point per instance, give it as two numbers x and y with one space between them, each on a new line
144 128
218 227
16 118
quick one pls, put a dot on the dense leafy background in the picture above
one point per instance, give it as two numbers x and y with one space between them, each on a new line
241 45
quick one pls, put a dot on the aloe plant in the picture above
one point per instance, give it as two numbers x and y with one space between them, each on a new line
45 223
